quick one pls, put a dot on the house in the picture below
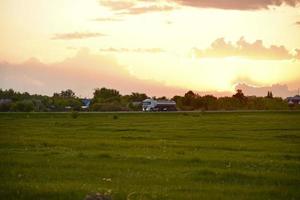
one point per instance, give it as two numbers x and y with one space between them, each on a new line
5 104
5 101
293 100
86 104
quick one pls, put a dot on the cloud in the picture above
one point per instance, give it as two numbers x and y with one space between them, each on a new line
298 23
277 90
86 71
237 4
147 9
106 19
297 56
82 73
168 22
256 50
76 35
144 6
137 50
117 5
138 6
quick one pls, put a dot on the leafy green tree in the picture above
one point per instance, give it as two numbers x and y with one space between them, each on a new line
133 101
106 95
179 102
162 98
239 95
23 106
66 98
210 102
135 96
107 107
188 99
65 94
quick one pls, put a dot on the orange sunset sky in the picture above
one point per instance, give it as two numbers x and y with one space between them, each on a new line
161 47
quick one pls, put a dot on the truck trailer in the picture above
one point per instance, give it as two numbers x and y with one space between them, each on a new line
158 105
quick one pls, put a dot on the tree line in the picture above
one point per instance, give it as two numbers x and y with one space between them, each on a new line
105 99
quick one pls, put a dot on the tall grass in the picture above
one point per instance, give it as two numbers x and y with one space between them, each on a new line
150 155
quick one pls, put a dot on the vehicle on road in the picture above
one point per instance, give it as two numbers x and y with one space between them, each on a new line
158 105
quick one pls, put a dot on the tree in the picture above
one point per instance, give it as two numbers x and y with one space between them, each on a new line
23 106
162 98
107 107
189 98
65 94
209 102
105 95
64 99
239 95
179 102
269 95
241 100
227 103
135 96
189 94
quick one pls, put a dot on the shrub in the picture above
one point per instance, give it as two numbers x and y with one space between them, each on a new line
4 107
23 106
107 107
74 114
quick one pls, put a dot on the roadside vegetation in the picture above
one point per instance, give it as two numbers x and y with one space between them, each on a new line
111 100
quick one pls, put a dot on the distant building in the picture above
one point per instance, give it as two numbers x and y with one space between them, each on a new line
5 104
86 104
293 100
5 101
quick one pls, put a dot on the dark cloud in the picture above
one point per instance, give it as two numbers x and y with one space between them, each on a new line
237 4
298 23
76 35
137 50
256 50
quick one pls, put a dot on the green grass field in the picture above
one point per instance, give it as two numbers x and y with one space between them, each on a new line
150 155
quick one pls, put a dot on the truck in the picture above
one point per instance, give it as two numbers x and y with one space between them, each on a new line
149 105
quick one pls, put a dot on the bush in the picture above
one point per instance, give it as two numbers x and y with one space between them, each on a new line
74 114
107 107
23 106
4 107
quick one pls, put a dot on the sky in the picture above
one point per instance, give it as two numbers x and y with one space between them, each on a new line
161 47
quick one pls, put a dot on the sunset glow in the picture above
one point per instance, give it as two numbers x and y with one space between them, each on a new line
163 46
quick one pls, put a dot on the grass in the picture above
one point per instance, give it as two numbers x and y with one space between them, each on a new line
150 155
